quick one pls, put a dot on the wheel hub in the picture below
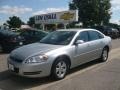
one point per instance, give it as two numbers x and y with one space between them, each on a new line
61 69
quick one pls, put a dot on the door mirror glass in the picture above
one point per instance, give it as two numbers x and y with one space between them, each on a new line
79 42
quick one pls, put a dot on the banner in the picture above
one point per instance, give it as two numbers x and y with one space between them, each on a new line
57 17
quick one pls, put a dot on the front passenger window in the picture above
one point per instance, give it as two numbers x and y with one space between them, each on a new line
83 36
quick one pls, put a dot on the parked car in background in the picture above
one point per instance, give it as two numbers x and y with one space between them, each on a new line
118 31
32 35
9 40
115 33
112 32
58 52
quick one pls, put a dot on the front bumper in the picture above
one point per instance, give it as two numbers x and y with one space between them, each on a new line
15 44
30 70
8 46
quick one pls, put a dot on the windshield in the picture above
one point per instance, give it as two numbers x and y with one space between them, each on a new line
59 37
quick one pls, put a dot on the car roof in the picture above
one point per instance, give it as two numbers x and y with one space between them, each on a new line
33 29
7 32
77 29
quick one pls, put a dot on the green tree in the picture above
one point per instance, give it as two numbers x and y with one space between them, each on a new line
14 22
92 12
31 21
113 25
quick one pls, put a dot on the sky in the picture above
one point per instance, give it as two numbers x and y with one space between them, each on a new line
27 8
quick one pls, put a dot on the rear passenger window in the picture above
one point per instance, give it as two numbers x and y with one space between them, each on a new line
93 35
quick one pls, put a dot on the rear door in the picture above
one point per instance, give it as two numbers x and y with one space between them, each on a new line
96 44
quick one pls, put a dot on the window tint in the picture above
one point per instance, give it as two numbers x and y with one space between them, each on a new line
83 36
40 34
100 35
24 34
27 33
93 35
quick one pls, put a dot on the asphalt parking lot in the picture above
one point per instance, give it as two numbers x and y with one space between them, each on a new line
91 76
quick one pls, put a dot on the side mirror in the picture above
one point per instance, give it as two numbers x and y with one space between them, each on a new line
79 42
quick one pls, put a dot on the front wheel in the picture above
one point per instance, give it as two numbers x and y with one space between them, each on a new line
104 55
59 69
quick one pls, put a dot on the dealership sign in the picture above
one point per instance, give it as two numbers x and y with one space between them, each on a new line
57 17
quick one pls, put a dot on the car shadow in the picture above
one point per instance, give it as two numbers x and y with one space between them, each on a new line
4 75
13 82
4 52
83 66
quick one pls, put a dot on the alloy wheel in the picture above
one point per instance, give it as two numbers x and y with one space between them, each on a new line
61 69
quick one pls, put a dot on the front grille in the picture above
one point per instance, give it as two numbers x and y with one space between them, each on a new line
15 59
32 73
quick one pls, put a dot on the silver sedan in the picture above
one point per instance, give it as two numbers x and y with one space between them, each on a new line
58 52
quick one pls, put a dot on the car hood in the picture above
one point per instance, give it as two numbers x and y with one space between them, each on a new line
26 51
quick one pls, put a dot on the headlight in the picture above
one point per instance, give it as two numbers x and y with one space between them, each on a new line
37 59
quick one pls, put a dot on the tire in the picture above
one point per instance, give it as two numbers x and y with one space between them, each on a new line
104 56
59 69
1 48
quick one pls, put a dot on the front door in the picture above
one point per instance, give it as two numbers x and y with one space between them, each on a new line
81 51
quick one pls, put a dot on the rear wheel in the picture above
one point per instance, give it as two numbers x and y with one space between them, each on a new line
104 55
59 70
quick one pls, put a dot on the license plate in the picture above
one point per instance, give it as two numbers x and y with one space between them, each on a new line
11 67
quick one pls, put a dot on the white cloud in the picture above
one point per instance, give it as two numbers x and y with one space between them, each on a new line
116 8
115 5
115 21
49 10
115 2
14 10
115 11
